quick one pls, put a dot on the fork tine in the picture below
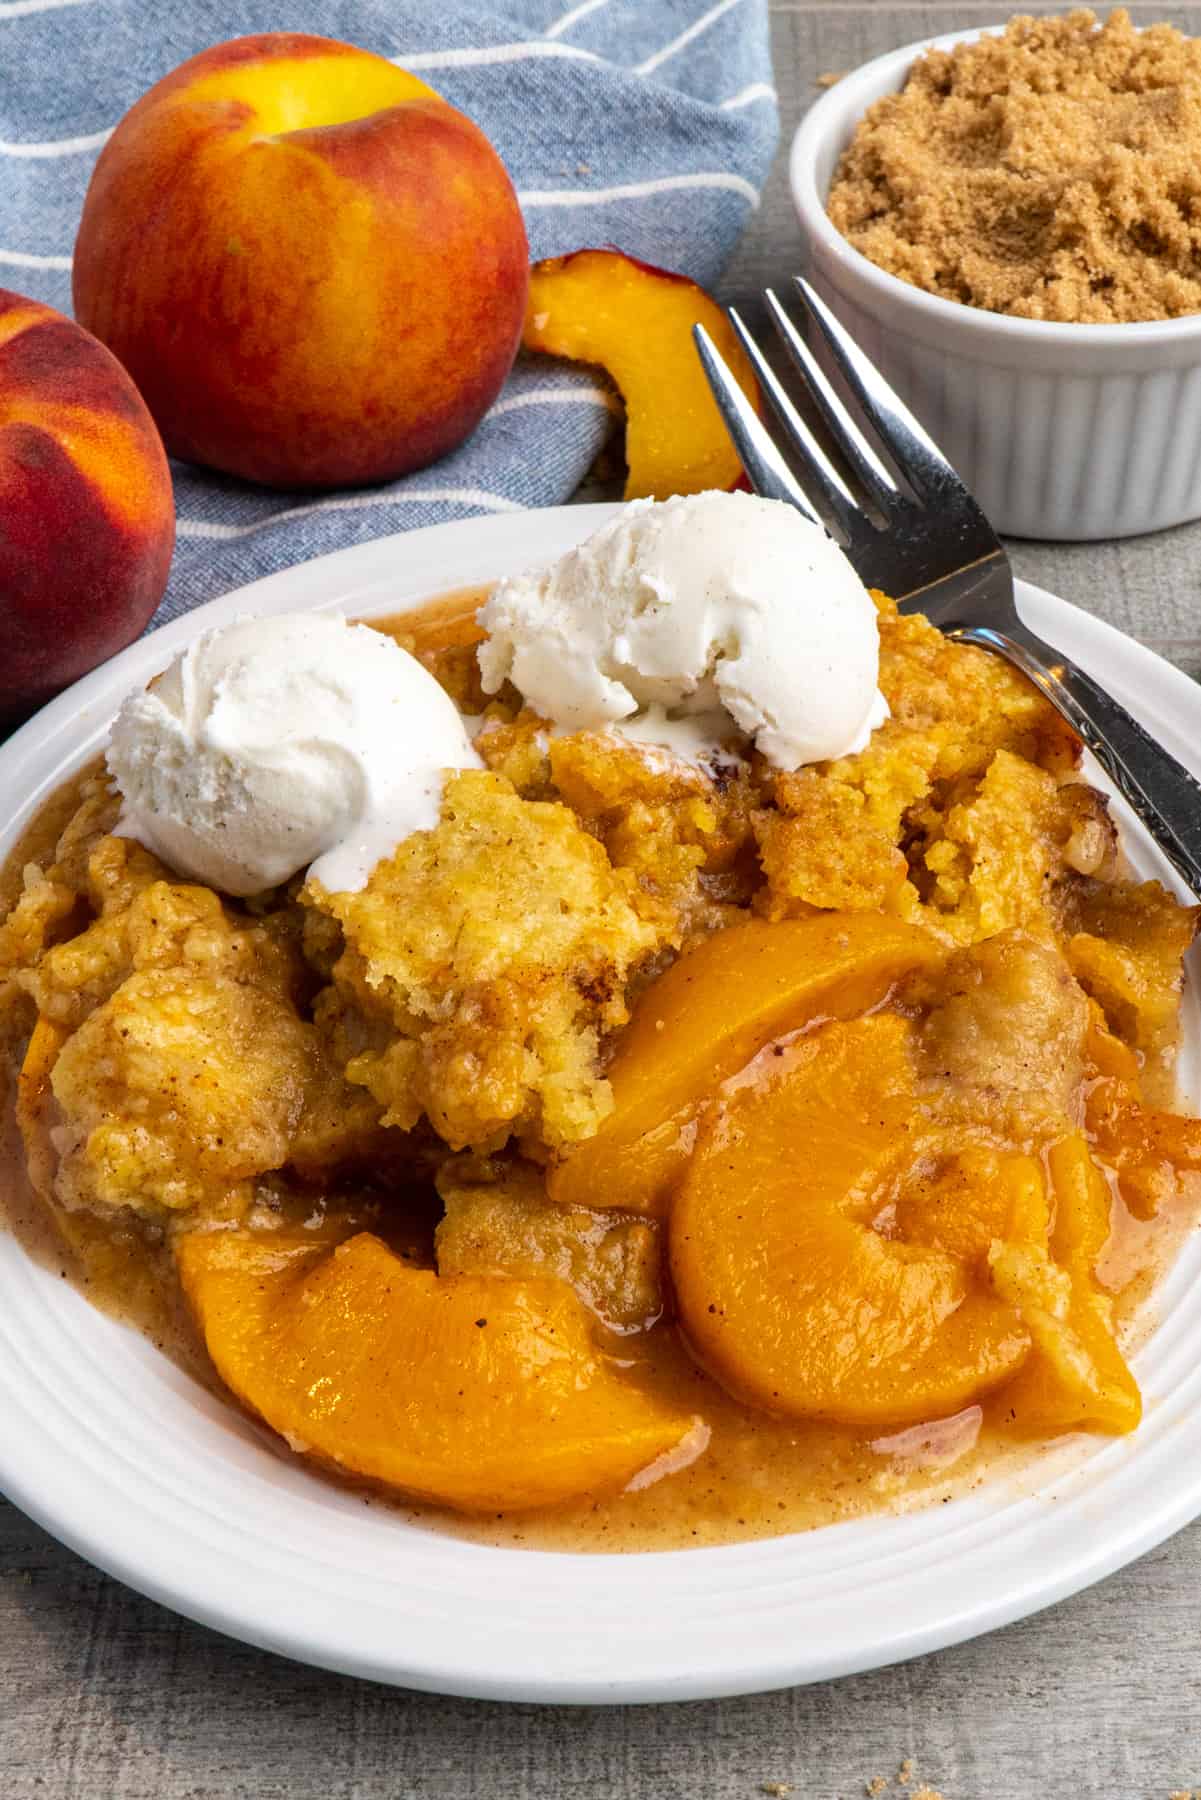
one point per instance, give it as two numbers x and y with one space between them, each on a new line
867 466
824 485
914 452
766 469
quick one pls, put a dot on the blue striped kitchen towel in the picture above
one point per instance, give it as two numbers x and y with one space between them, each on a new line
648 124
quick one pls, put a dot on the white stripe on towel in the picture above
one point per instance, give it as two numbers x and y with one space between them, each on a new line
75 146
758 90
555 397
573 17
686 37
637 190
20 9
25 259
491 53
204 528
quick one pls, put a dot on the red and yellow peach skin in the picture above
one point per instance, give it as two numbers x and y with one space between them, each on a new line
87 522
314 268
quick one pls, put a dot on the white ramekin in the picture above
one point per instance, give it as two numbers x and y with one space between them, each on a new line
1061 431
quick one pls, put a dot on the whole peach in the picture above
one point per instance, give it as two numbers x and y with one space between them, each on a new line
314 268
87 522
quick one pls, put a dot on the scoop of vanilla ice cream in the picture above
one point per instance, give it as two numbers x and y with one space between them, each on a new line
273 744
716 600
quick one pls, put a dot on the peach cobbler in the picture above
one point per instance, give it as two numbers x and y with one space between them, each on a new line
679 1145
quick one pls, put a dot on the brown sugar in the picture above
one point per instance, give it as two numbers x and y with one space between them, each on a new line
1052 172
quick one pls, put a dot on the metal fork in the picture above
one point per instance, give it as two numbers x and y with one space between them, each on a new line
931 548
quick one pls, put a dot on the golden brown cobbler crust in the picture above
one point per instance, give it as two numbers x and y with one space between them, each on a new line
476 983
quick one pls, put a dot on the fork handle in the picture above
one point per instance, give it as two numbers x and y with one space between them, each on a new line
1162 792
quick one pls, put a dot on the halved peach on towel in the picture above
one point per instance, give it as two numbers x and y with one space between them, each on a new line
477 1392
601 306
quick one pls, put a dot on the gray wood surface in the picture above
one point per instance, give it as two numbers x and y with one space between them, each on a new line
105 1696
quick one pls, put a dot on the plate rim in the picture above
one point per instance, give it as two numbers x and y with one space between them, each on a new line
1142 679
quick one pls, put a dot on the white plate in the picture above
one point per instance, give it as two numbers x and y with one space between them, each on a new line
132 1464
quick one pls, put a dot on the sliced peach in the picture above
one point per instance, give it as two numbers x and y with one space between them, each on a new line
600 306
34 1100
972 1198
1125 944
706 1018
1107 1057
1147 1148
787 1297
1076 1378
478 1392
